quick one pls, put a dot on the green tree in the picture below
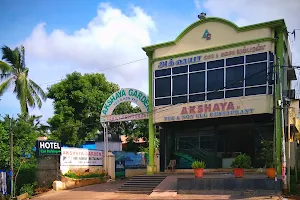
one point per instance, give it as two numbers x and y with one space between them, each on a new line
78 100
13 70
25 130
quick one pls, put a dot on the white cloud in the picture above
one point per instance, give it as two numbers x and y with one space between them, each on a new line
197 4
110 39
245 12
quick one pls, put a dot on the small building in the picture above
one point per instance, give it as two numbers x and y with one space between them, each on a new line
212 91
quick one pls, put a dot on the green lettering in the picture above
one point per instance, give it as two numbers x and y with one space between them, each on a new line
130 92
139 95
123 93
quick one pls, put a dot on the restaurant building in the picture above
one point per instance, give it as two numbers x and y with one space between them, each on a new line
212 91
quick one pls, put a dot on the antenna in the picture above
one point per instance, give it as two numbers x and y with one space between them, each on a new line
294 33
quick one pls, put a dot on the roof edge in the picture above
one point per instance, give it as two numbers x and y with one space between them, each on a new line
269 24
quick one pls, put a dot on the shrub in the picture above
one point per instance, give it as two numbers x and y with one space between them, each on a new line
266 154
29 188
90 175
198 164
242 161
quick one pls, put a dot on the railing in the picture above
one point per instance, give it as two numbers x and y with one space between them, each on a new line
198 153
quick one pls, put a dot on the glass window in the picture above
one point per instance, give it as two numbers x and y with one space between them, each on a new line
179 70
256 57
180 99
271 56
197 67
255 90
215 95
206 142
163 72
235 61
235 77
162 102
215 64
234 93
197 97
271 73
256 74
197 82
179 85
163 87
215 80
270 90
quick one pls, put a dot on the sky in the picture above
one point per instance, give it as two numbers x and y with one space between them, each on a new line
94 36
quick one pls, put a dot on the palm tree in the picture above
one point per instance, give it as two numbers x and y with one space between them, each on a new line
13 71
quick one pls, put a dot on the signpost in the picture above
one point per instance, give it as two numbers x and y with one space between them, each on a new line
80 157
121 96
47 147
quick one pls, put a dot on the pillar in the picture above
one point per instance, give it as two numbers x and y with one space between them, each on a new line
150 167
157 160
278 117
111 165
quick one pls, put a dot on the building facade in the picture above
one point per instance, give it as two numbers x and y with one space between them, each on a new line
212 91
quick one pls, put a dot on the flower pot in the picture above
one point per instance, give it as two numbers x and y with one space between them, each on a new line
198 172
270 172
238 172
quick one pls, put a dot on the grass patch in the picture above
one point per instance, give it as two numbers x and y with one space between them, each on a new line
90 175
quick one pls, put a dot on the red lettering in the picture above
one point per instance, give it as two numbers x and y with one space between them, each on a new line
200 109
184 111
207 108
230 106
216 107
223 105
192 110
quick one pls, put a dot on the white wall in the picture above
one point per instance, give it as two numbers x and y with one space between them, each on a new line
112 146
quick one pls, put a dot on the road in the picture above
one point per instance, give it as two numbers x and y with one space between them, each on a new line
106 191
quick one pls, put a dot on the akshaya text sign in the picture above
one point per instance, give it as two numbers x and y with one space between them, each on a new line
47 147
80 157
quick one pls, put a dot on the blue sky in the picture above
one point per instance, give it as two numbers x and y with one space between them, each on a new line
59 35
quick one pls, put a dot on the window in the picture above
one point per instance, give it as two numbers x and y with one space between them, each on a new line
180 70
179 85
197 67
197 97
255 91
197 82
162 102
215 80
234 77
256 74
163 72
163 87
180 99
235 61
215 64
215 95
234 93
256 57
224 78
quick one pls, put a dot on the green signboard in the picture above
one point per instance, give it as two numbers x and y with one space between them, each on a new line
48 147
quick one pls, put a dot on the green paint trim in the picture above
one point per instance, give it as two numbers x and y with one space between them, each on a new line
278 117
150 119
228 46
271 24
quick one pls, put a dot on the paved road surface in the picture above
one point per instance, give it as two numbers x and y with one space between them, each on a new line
106 191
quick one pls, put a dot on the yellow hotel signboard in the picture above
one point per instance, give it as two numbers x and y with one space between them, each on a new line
213 109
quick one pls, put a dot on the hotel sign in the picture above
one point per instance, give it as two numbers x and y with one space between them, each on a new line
124 117
214 109
209 111
47 147
212 56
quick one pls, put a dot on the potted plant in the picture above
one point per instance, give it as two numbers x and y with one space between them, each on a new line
266 155
198 167
240 163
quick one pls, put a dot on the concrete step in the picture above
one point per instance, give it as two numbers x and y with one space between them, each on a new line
142 183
